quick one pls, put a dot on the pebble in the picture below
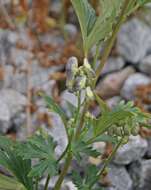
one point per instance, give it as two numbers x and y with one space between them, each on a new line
130 84
134 40
134 150
111 85
145 65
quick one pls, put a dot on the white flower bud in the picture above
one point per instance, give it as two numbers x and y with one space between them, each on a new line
89 93
71 70
88 69
86 64
72 65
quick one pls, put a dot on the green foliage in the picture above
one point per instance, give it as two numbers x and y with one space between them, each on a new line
122 112
87 181
14 163
98 28
80 148
40 147
82 129
55 108
8 183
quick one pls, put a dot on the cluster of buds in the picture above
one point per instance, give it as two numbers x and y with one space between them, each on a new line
124 128
79 78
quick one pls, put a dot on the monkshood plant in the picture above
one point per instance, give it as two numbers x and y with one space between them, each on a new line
29 161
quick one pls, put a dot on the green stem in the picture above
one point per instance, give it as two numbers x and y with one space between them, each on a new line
47 182
63 172
81 120
36 184
108 160
69 156
111 156
112 39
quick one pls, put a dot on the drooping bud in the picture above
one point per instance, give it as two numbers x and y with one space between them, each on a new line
71 70
72 65
89 93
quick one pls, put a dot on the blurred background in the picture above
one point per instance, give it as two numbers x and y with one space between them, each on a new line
36 39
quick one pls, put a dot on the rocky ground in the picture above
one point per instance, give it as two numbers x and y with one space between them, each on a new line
29 65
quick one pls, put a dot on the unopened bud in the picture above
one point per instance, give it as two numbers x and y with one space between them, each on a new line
88 69
89 115
89 93
72 65
71 70
86 64
135 130
80 82
126 130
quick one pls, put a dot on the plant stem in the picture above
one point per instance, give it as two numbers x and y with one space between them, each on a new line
64 171
112 39
69 156
36 184
81 120
47 182
111 156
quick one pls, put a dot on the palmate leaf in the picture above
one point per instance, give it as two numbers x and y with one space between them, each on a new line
55 108
95 29
87 181
42 148
87 135
14 163
104 23
121 112
86 16
79 148
98 28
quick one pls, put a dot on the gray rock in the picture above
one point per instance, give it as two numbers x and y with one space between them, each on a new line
59 134
19 82
39 78
119 178
8 76
131 83
112 102
21 58
54 40
14 100
134 40
4 117
112 83
148 153
133 150
5 2
11 103
141 175
145 65
113 64
67 97
70 30
67 184
5 46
